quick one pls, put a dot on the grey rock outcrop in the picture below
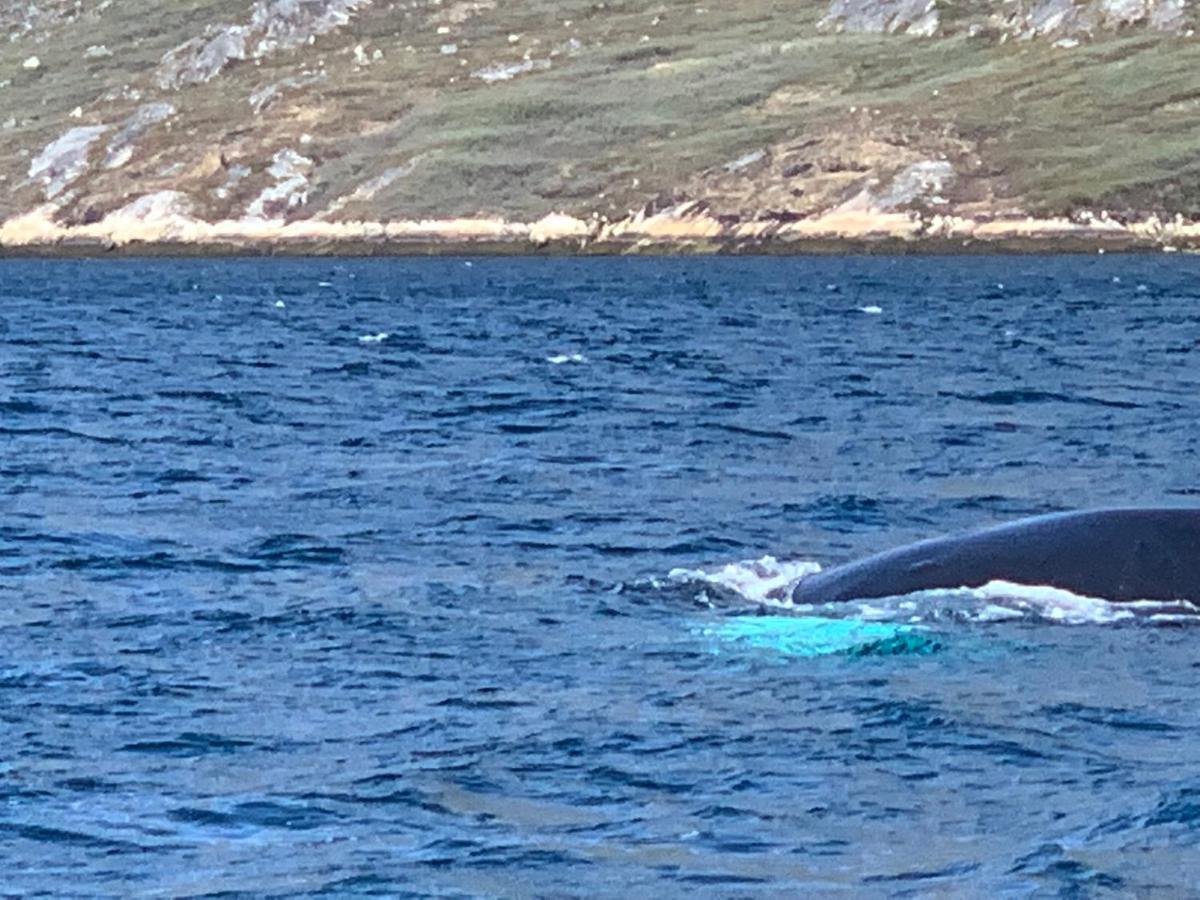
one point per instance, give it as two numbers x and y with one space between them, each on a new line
916 17
284 24
19 18
145 117
503 72
65 159
268 94
1169 15
157 207
1058 17
1022 18
274 25
921 181
290 171
201 58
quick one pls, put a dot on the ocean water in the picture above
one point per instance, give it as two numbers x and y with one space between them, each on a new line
468 578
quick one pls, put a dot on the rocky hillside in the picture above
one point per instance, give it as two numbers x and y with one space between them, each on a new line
609 114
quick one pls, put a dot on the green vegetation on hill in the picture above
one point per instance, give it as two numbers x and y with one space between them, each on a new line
610 107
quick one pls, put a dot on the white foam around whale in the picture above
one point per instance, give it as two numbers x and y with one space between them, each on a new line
765 580
770 582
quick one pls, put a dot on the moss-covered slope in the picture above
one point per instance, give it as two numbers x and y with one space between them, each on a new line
375 110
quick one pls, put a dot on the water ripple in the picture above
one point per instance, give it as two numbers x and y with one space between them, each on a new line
284 611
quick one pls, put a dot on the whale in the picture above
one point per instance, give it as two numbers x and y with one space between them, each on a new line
1122 554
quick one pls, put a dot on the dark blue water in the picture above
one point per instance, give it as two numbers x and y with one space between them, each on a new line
284 611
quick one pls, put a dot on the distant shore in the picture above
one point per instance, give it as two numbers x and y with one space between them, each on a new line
814 247
684 229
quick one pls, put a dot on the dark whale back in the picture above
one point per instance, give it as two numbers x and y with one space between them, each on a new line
1117 554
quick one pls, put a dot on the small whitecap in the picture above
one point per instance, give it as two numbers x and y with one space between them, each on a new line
561 358
1141 289
468 265
279 304
871 310
324 284
374 338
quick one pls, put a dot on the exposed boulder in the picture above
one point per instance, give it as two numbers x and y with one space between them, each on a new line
164 215
145 117
559 227
1017 18
234 175
201 58
917 185
268 94
283 24
20 18
915 17
290 190
65 159
1052 17
274 25
1169 15
922 181
508 71
462 11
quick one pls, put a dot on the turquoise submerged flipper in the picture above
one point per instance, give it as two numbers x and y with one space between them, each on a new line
807 636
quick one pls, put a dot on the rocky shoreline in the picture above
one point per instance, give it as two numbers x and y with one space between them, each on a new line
473 126
153 229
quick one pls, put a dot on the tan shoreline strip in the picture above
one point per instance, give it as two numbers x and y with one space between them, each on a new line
163 219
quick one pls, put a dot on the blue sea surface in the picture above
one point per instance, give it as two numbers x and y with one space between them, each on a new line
371 577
